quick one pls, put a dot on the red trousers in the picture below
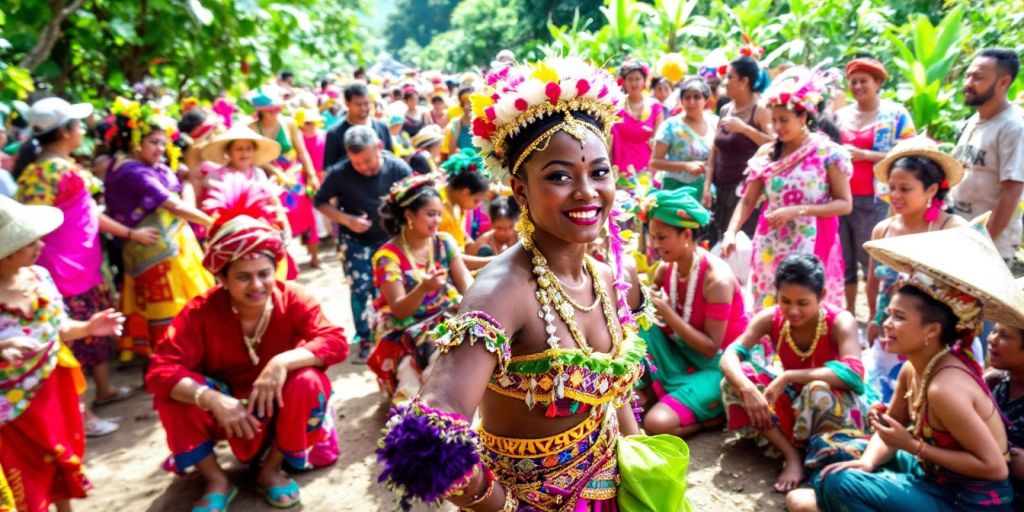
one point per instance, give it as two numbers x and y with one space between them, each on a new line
41 450
292 429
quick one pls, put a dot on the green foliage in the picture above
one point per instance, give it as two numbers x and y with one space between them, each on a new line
414 23
480 28
188 46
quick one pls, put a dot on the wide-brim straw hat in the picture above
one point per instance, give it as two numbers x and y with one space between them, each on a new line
921 146
964 258
20 225
428 136
216 150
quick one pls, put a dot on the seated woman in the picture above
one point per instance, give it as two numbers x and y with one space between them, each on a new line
462 218
941 444
246 362
412 273
503 212
698 323
41 431
818 386
1006 380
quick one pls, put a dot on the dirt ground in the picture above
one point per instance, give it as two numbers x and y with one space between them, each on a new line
725 474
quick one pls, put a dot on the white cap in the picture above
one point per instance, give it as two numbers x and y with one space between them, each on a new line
49 113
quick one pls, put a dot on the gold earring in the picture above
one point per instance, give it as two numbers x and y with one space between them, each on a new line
524 226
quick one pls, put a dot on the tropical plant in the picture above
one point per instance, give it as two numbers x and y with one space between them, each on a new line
925 66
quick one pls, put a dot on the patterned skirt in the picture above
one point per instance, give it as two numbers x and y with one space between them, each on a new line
92 350
800 412
575 471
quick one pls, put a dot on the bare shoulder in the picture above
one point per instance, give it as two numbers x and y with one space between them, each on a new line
500 287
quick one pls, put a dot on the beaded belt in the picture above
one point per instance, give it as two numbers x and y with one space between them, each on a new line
552 473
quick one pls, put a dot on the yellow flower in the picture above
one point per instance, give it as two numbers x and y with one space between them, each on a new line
545 73
480 102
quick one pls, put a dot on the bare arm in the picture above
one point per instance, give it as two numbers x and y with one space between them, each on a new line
759 327
746 206
950 399
659 162
178 208
1006 207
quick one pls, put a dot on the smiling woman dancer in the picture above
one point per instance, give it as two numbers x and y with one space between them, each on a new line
538 347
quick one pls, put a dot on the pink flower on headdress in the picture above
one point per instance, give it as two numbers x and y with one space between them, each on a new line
582 86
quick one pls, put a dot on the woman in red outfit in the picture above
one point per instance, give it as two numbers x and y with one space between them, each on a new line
246 362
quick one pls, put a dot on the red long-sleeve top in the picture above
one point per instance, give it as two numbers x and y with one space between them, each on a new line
206 338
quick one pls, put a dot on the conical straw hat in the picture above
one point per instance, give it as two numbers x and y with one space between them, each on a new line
964 258
921 146
266 149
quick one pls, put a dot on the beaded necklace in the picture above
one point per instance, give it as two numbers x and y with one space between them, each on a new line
819 332
552 296
691 287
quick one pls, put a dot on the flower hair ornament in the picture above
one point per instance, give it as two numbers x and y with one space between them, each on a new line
800 89
141 120
464 161
521 95
407 190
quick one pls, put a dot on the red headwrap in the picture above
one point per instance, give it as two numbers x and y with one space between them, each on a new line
869 66
242 237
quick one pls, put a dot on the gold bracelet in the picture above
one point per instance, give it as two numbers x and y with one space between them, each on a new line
199 393
490 491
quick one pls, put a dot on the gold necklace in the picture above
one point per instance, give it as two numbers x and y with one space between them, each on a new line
403 244
819 332
551 297
919 386
261 328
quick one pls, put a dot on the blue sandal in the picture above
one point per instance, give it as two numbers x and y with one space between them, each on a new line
217 501
273 494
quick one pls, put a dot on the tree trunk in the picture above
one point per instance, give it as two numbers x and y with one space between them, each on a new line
50 34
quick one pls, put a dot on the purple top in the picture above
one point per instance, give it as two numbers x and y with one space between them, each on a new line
135 190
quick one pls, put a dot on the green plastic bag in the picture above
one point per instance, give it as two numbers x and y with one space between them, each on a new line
652 472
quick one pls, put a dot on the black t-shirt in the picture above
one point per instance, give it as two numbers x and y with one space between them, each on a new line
334 144
358 194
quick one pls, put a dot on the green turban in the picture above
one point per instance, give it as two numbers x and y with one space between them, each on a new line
679 207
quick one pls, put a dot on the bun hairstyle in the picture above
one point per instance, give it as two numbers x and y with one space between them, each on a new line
801 269
504 208
746 67
392 210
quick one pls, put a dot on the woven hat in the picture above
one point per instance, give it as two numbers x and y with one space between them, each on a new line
921 146
964 258
20 225
428 136
266 149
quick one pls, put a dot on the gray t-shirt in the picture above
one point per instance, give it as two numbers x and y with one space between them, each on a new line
992 152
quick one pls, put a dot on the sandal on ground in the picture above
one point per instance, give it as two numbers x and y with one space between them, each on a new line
121 393
99 427
275 493
217 501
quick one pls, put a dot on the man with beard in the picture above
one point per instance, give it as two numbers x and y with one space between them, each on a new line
991 147
357 105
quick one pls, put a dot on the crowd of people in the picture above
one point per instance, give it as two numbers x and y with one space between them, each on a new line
556 275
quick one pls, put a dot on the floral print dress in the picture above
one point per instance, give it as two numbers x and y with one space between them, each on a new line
798 179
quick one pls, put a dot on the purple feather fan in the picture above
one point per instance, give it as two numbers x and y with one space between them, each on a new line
426 453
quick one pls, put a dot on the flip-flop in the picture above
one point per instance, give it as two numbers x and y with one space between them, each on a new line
218 501
123 393
272 495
